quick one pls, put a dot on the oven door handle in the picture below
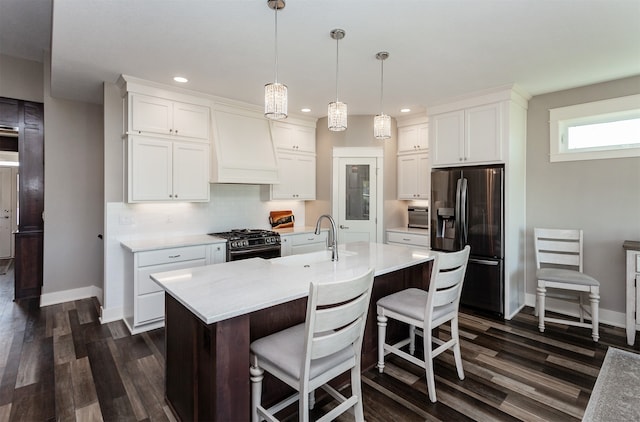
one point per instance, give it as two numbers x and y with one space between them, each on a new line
255 250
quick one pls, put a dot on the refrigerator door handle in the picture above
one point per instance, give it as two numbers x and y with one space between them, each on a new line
457 211
463 214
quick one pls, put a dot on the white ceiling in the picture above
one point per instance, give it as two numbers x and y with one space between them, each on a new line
438 48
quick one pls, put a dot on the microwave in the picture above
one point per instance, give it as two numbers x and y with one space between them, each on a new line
418 217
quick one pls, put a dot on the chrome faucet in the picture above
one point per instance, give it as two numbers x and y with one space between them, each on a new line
332 240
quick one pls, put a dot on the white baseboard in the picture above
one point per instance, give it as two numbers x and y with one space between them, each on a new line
606 316
110 314
54 298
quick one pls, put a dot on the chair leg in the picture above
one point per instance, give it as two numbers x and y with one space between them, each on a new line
412 339
428 363
594 298
312 399
257 374
541 296
382 331
456 348
581 310
356 390
303 406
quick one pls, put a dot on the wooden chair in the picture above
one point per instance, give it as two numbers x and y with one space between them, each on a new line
309 355
427 310
559 267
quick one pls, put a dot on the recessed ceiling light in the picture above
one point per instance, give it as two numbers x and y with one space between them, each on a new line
305 110
405 110
181 79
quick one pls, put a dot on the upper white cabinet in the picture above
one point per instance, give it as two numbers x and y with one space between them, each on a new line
294 137
295 148
469 136
165 170
297 177
154 115
414 176
413 138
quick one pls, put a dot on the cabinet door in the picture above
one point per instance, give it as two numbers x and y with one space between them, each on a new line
151 114
483 138
190 120
297 177
447 136
292 137
413 138
407 176
190 171
216 253
423 176
150 169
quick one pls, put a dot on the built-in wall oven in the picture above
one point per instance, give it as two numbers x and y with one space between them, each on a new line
251 243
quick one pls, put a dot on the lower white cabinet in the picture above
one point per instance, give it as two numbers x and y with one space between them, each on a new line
143 298
217 253
633 290
294 244
407 237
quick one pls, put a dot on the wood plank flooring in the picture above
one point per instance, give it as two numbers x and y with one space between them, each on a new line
58 363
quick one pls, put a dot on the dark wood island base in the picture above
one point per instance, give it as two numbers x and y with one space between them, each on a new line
207 365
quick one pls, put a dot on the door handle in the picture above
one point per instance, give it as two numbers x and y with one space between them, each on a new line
344 227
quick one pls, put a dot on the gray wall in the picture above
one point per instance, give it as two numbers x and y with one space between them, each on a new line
359 133
73 178
602 197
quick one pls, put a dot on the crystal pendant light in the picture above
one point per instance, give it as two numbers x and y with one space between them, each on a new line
275 94
337 112
382 122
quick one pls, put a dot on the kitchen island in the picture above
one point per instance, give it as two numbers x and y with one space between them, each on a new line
213 313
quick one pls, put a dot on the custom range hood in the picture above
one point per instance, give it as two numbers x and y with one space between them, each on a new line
242 147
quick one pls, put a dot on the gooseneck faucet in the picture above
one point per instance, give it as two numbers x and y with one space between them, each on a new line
332 240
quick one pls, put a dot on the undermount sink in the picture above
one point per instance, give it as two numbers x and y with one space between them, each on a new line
310 258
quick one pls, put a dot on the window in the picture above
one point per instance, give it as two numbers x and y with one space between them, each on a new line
597 130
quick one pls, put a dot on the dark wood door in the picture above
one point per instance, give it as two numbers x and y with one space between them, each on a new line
28 117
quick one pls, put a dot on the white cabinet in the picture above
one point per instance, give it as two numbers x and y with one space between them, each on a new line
409 238
633 290
143 298
414 176
469 136
217 253
295 149
154 115
297 177
299 243
413 138
165 170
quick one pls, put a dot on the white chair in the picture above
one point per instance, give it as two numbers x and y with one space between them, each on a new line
559 267
309 355
427 310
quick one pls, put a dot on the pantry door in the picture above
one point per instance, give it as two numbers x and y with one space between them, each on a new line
356 207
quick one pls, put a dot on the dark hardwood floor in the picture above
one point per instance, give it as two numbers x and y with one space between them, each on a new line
58 363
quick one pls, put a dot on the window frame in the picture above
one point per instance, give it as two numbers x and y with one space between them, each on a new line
594 112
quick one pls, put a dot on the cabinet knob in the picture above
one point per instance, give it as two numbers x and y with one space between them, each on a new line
170 196
175 196
176 130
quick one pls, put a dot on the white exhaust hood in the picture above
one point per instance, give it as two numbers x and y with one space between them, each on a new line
242 147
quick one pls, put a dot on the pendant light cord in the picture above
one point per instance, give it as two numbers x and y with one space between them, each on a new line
276 38
381 84
337 47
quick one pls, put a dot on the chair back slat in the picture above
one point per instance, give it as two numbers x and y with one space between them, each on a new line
336 316
558 247
447 276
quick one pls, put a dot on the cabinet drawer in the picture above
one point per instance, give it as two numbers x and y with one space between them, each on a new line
146 285
408 239
306 238
149 307
164 256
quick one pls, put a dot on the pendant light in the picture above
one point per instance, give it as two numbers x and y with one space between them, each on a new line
275 94
382 122
337 112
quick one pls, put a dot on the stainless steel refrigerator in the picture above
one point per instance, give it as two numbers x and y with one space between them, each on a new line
467 207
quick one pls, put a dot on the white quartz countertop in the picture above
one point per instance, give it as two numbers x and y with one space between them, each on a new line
222 291
141 245
297 230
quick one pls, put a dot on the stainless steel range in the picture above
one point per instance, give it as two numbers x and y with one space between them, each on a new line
250 243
